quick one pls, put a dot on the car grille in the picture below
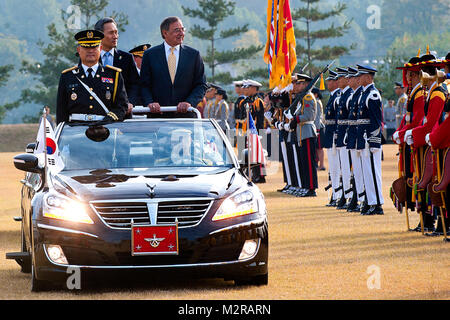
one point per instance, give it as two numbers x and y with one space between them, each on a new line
121 214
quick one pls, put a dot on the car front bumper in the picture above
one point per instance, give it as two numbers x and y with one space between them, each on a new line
207 253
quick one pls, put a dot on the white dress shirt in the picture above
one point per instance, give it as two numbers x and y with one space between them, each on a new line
102 54
94 69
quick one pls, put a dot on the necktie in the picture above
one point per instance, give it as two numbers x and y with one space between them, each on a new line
172 63
107 57
90 75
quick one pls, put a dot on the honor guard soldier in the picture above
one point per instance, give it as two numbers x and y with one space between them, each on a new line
400 91
328 141
369 140
411 119
303 121
439 140
256 107
90 91
355 155
434 104
341 137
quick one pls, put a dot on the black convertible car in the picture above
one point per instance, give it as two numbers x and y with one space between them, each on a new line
148 195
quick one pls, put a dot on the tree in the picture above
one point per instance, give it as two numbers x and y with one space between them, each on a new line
4 76
309 16
213 12
60 53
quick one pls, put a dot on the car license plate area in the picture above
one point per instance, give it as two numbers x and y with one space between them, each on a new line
154 240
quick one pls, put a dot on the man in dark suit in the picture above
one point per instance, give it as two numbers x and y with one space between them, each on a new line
110 55
172 74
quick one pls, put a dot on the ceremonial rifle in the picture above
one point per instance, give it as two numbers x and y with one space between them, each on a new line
292 108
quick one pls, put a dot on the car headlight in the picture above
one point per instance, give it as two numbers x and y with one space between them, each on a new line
237 205
57 206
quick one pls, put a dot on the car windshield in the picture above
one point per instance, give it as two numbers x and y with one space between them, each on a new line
145 144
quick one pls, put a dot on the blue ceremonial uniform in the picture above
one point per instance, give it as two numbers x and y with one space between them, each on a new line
330 120
369 118
353 118
342 117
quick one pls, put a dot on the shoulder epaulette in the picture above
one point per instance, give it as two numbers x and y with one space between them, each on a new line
114 68
70 69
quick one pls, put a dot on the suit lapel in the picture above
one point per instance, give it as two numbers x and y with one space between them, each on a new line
181 63
163 62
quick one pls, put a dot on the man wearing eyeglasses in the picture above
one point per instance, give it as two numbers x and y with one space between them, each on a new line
172 73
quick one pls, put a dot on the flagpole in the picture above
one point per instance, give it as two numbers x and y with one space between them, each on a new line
247 108
44 121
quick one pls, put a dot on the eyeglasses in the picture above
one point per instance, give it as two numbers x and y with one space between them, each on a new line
179 30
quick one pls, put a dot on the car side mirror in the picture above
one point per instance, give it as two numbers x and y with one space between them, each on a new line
244 162
28 162
30 147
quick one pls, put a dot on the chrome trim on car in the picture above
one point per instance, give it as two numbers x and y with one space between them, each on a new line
45 226
148 202
240 225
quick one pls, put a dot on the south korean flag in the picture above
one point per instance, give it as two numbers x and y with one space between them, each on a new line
46 143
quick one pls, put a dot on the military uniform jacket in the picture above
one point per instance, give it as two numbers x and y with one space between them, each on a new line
440 135
342 117
330 120
432 111
414 115
73 98
239 112
353 118
306 117
369 119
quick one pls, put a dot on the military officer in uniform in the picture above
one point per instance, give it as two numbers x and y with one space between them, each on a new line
369 139
138 53
303 122
341 137
91 91
355 155
400 91
328 141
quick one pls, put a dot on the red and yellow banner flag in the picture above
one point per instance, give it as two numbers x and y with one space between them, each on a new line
280 52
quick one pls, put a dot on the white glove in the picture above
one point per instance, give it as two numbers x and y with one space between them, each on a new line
287 127
280 125
374 150
409 140
288 114
427 139
396 138
268 116
408 133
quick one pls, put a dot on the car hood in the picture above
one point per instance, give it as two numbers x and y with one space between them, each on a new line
149 183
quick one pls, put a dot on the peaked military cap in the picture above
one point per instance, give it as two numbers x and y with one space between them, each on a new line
331 75
301 77
398 85
139 50
341 72
352 72
364 69
238 83
89 38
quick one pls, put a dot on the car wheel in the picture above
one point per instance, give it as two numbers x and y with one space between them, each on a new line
260 280
26 264
37 285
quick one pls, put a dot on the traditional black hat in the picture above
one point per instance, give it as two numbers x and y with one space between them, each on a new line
89 38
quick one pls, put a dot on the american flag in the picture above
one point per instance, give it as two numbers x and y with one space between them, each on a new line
254 143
